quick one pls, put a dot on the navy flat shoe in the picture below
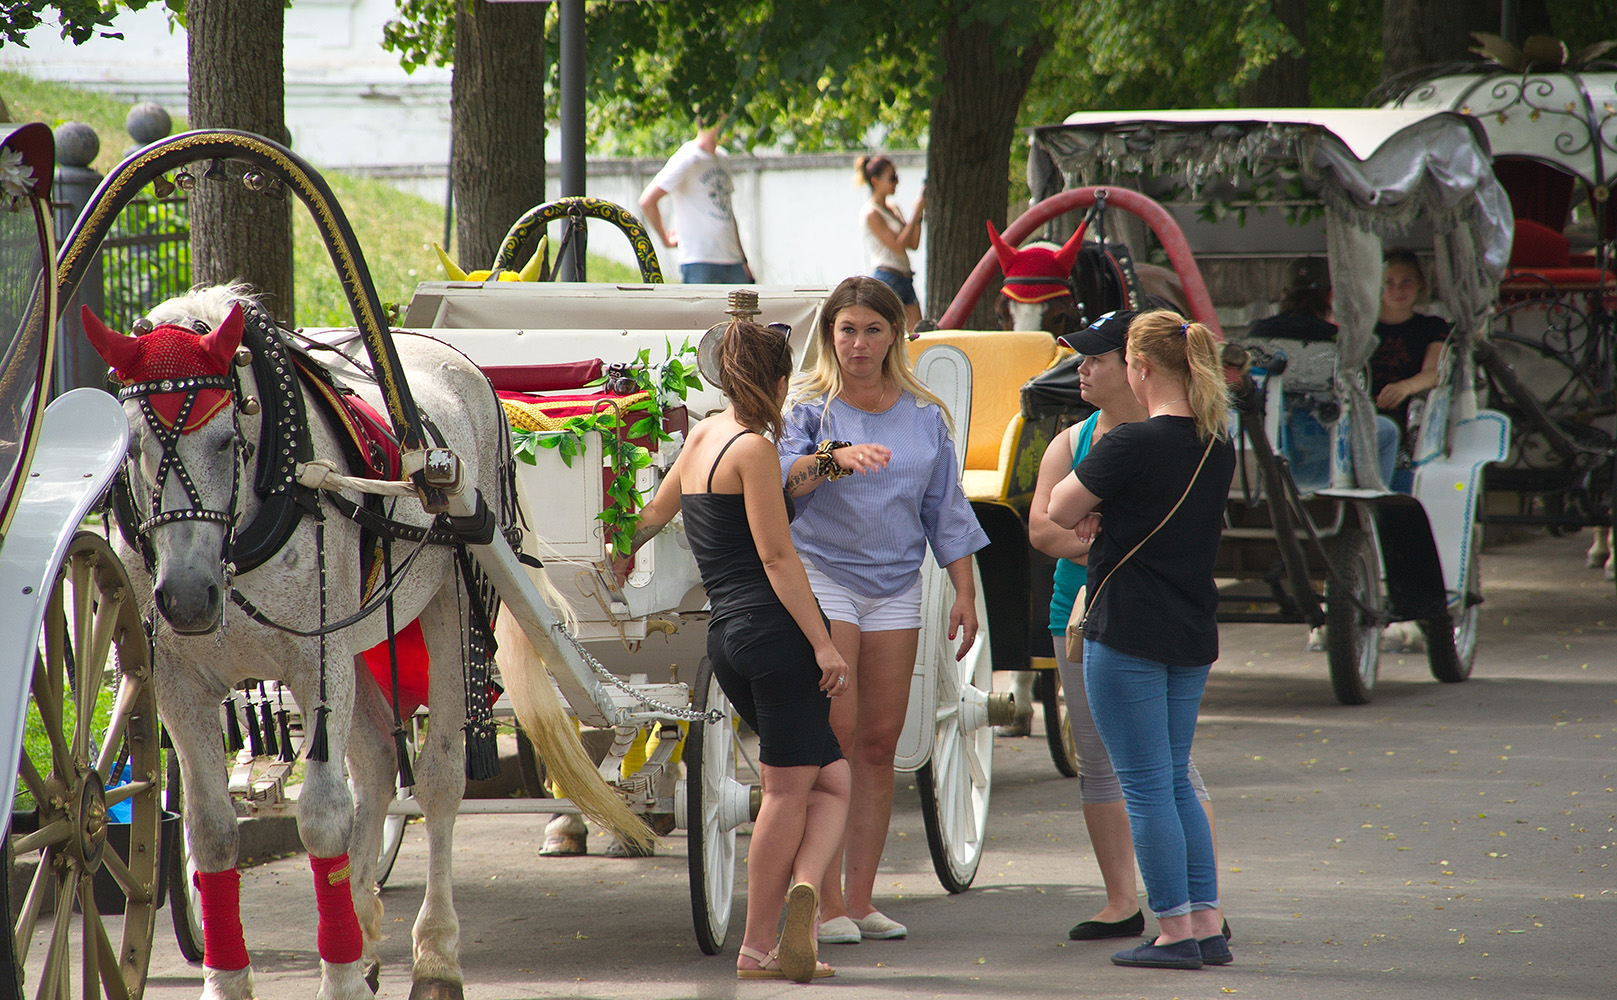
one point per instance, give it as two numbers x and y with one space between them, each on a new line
1096 930
1186 954
1215 950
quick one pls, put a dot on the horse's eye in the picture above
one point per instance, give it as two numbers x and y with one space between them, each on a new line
227 442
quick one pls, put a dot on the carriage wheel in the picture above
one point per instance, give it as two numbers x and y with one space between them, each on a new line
1352 637
184 900
1451 642
1057 727
714 804
87 866
954 784
393 824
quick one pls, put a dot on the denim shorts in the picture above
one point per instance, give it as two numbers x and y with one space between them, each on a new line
871 614
899 282
703 273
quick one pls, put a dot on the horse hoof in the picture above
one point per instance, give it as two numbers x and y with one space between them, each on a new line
565 846
436 989
618 849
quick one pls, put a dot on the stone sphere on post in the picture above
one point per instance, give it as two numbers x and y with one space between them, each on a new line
77 145
148 122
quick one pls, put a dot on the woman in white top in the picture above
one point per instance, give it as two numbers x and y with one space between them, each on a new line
888 238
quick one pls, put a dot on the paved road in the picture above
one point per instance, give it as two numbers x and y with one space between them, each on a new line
1444 841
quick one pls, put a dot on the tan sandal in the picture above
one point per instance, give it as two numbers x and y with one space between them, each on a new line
799 945
769 966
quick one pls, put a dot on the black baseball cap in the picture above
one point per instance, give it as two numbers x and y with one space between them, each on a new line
1105 335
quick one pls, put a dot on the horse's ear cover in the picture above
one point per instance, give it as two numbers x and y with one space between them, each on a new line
221 344
1004 251
118 351
1067 256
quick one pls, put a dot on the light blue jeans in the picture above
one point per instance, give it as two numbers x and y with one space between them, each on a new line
703 273
1146 714
1386 447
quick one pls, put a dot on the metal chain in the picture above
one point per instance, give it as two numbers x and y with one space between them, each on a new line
711 716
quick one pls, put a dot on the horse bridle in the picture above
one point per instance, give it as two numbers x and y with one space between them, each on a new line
170 463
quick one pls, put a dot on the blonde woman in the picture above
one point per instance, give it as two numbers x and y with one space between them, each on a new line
862 539
1149 498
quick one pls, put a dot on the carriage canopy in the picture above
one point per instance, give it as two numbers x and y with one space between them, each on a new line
1377 171
27 298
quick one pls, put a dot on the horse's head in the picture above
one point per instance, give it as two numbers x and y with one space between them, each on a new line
185 467
533 270
1038 287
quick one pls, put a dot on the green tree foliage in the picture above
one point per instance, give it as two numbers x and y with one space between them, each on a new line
80 20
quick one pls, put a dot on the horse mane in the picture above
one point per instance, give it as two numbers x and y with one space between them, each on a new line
209 303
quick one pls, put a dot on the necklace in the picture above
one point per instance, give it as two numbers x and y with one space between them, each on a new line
868 409
1164 406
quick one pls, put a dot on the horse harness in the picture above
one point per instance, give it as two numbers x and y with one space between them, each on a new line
285 451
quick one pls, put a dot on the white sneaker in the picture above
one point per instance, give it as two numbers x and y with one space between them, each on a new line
878 926
839 930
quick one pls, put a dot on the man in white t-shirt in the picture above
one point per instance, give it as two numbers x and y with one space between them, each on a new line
697 180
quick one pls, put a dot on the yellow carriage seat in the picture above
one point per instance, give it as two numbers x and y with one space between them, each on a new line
1001 361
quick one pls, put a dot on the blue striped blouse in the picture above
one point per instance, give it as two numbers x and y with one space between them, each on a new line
869 532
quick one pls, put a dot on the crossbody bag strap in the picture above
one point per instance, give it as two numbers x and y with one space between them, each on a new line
1158 528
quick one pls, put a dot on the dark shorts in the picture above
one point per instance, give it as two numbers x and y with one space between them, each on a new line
899 282
767 669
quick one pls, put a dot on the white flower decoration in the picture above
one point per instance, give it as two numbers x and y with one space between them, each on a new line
16 177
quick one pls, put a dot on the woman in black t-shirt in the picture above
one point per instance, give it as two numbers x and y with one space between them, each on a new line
1152 633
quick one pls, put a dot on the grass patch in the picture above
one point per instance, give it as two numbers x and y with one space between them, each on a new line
392 226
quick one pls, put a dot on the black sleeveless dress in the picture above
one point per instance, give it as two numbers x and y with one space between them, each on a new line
762 660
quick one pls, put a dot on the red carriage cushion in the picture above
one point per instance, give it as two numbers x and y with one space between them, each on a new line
1537 245
543 378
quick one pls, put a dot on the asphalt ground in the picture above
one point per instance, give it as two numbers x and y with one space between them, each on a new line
1443 841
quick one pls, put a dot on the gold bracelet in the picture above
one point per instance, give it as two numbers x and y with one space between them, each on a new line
824 465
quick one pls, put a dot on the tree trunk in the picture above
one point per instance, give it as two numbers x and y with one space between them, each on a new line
234 55
969 158
498 112
1284 82
1417 33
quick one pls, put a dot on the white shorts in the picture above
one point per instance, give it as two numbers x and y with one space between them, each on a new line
871 614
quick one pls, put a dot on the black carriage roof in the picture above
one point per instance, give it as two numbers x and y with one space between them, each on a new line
37 145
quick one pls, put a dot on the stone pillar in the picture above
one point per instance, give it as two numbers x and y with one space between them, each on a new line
76 363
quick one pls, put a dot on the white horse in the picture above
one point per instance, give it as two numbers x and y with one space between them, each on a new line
194 484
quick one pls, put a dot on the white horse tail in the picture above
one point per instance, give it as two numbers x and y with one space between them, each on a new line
540 713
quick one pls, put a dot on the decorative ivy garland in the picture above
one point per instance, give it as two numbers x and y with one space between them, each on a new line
651 388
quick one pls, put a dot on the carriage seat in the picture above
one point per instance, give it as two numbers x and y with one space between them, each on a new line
1000 362
1542 266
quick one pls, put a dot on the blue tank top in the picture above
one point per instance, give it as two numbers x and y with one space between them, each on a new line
1069 575
721 540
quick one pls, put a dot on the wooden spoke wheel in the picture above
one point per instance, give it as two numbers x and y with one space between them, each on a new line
1057 726
85 922
1352 632
955 783
714 804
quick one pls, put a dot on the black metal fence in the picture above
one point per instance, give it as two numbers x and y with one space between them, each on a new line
146 258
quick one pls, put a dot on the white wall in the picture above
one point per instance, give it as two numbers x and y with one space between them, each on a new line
350 106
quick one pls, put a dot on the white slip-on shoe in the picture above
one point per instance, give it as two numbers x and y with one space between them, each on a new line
839 930
878 926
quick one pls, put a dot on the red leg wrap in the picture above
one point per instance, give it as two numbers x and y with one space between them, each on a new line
223 947
339 936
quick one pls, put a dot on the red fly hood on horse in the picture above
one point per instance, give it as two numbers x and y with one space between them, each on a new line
170 352
1036 273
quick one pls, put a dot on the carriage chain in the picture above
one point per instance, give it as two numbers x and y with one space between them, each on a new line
710 717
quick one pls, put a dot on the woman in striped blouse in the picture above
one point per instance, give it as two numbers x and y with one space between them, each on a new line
862 540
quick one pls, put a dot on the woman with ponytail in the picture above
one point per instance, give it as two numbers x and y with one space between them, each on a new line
770 646
1149 499
888 237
